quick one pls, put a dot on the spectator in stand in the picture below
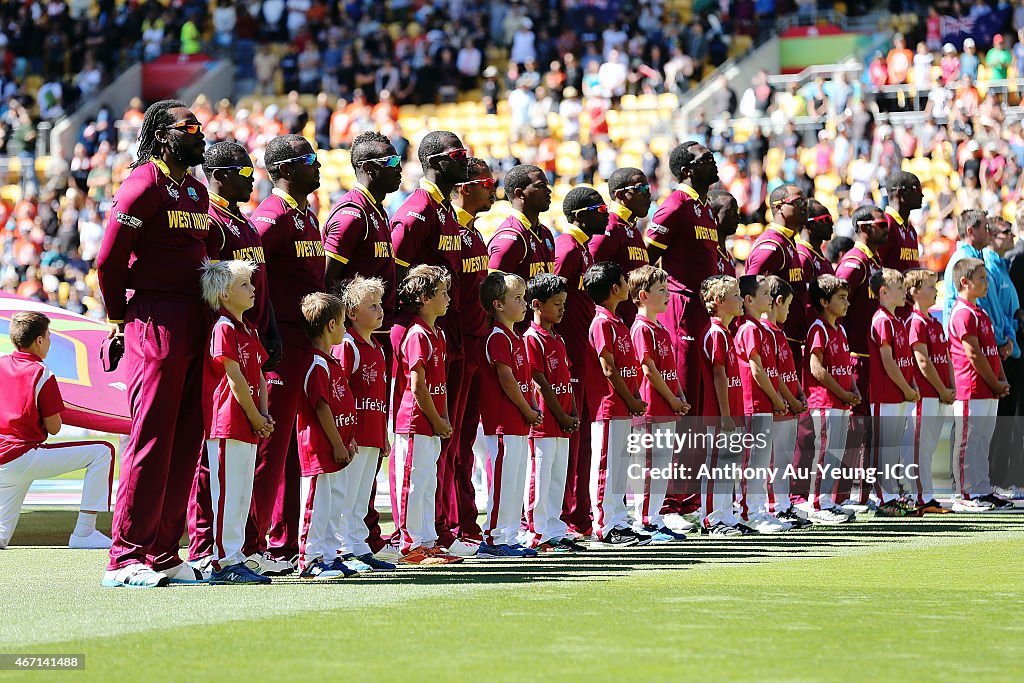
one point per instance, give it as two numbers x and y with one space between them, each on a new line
969 61
898 61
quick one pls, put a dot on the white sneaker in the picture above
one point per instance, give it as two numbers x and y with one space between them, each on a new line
1016 493
829 516
389 553
679 523
203 564
970 505
460 548
134 576
186 573
94 541
265 565
766 524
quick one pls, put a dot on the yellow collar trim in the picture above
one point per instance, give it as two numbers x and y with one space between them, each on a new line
685 187
159 163
866 250
433 190
816 252
895 215
288 199
783 230
621 211
373 202
521 217
578 234
464 217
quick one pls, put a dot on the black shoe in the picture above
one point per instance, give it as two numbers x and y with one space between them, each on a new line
719 529
791 517
641 538
997 502
572 546
620 537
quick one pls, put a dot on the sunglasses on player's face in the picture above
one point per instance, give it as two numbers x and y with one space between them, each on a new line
880 221
244 171
306 159
639 188
391 161
823 218
708 158
798 202
600 208
185 127
456 154
488 183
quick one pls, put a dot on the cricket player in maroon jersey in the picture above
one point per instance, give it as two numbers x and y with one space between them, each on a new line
229 173
425 231
902 251
683 234
471 198
357 241
727 214
588 216
623 240
856 267
521 245
294 253
155 243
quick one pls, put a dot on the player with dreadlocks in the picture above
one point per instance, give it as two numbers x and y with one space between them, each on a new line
155 243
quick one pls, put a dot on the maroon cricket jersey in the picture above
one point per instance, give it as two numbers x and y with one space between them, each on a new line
621 242
235 238
784 363
231 339
832 343
609 333
426 347
294 253
425 230
888 330
774 253
30 394
802 313
752 337
572 259
717 348
497 412
969 320
357 235
473 274
520 247
685 227
652 340
156 239
901 250
726 263
365 368
547 354
926 329
856 268
325 380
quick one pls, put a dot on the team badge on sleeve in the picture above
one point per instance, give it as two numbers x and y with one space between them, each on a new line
193 195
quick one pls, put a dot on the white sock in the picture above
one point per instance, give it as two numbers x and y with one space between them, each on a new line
86 524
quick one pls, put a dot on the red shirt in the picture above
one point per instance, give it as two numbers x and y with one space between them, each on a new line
426 347
856 268
235 238
232 340
686 229
156 238
717 347
325 379
30 394
357 235
365 368
609 333
751 337
901 250
652 340
547 354
888 330
294 252
927 330
969 320
521 248
835 356
621 242
774 252
474 271
497 412
785 367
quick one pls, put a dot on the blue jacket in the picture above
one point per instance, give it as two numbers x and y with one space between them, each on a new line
1004 296
987 303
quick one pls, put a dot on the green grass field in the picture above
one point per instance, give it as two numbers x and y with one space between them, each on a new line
935 599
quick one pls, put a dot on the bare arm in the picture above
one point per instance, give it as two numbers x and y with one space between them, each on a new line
52 423
826 380
566 421
341 454
762 379
978 361
509 385
611 372
892 370
240 391
924 363
675 403
420 391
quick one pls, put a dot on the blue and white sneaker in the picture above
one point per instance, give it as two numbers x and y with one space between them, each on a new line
185 573
237 574
322 570
663 534
353 562
134 576
375 564
522 550
340 565
488 551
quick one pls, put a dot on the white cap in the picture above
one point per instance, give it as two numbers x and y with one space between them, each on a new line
969 43
948 47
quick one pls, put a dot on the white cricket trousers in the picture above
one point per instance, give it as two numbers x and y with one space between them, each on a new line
831 425
545 489
647 504
758 457
783 447
924 428
717 489
506 490
889 425
319 496
414 471
51 460
974 421
232 466
347 525
608 466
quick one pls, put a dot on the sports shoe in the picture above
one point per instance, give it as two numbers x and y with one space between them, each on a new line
94 541
265 565
376 564
237 574
489 552
933 507
766 524
322 571
641 537
679 523
135 575
998 502
970 505
792 517
552 546
828 516
339 564
421 557
572 545
438 551
663 534
185 573
896 508
389 553
621 537
720 529
353 562
745 529
460 548
1016 493
203 564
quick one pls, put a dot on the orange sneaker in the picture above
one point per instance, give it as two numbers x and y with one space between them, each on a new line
427 556
442 554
